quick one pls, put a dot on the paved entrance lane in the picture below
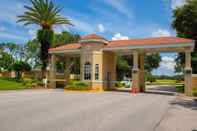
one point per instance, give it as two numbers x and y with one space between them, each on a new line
54 110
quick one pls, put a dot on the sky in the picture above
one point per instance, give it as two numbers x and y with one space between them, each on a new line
113 19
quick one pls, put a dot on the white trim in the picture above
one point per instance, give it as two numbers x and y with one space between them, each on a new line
104 81
94 40
194 75
65 51
149 46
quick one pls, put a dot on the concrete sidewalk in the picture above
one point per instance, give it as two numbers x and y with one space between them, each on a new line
181 116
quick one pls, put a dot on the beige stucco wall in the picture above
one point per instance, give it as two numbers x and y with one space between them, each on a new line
194 81
109 62
94 55
106 61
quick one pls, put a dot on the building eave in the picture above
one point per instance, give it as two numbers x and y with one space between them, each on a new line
70 51
151 46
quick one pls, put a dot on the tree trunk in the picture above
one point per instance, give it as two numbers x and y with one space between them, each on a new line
45 37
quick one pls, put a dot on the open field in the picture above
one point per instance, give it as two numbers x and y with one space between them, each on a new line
165 82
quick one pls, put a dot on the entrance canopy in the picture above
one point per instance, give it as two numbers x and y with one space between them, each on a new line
159 44
98 58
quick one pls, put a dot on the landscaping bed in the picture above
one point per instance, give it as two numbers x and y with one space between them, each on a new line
78 86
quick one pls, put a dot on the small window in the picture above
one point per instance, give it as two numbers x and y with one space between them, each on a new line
87 71
96 71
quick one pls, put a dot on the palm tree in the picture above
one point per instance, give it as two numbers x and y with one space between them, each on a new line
47 15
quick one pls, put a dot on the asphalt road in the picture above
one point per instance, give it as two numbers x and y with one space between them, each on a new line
55 110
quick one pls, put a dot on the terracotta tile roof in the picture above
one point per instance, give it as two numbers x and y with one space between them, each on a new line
148 41
93 36
66 47
131 42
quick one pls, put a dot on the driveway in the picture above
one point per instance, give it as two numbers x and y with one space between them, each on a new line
55 110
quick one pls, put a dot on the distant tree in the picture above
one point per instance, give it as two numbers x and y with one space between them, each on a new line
123 67
32 53
149 77
45 14
5 60
65 38
185 24
124 64
13 49
152 61
19 67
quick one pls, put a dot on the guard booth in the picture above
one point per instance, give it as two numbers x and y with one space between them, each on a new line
98 59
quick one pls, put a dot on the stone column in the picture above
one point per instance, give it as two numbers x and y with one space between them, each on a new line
188 74
142 77
67 68
81 66
135 72
52 72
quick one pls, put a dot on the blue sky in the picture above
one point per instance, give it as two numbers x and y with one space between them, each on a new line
114 19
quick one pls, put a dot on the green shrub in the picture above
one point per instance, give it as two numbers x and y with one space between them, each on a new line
19 67
180 88
194 92
11 79
78 85
151 79
118 84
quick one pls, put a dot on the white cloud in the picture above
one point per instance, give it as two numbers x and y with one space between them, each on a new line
160 33
10 36
32 33
101 28
167 65
168 59
173 4
82 26
119 5
168 62
60 28
177 3
119 36
9 13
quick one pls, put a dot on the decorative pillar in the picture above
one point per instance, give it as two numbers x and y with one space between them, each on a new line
52 72
67 68
135 73
81 66
142 77
188 74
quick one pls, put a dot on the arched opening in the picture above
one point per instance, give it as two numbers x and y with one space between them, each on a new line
166 78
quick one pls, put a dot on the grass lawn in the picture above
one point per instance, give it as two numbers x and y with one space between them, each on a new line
11 85
164 82
180 88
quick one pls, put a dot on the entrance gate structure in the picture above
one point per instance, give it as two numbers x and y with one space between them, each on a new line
98 59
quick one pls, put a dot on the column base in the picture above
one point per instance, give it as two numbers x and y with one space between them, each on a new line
188 81
135 81
52 84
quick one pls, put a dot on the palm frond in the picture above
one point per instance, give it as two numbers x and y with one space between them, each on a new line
44 13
